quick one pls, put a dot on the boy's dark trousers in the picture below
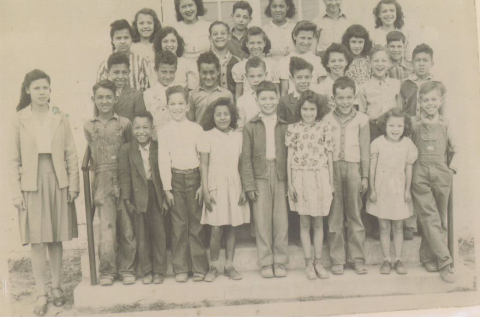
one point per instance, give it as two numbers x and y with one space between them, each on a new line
150 235
431 184
187 233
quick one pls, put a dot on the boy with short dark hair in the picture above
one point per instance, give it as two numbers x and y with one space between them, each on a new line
105 135
219 37
155 97
179 166
301 76
401 69
209 90
142 194
422 60
432 178
256 72
351 159
242 16
264 179
129 100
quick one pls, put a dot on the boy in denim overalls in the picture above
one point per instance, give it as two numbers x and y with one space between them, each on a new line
432 178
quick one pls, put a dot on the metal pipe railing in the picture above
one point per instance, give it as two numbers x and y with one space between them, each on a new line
90 212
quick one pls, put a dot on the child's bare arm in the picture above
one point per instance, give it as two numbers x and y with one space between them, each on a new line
204 161
373 171
291 189
452 149
330 169
408 182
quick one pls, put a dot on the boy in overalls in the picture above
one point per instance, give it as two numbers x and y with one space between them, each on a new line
432 178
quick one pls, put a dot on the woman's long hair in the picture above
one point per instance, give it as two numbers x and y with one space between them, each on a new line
30 77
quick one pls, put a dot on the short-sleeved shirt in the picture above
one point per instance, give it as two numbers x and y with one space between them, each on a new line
310 143
186 74
140 71
155 100
196 37
359 70
239 73
247 108
281 38
331 30
200 99
378 96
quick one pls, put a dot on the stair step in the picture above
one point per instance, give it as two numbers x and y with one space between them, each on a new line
252 287
246 255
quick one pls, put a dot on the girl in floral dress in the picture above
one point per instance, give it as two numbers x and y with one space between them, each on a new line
358 42
310 177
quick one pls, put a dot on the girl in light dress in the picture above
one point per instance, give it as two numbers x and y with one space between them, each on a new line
310 176
280 28
44 182
168 39
256 44
191 28
391 158
357 40
145 26
225 202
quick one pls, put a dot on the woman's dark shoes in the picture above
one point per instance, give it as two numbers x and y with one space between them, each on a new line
41 305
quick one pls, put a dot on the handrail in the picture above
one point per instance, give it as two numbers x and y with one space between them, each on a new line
90 212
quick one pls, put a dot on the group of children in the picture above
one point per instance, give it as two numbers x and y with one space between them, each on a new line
200 124
321 128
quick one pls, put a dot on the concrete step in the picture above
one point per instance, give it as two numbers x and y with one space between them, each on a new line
246 255
252 287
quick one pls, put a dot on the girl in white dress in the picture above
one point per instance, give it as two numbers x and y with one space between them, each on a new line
310 176
391 158
194 30
224 207
168 39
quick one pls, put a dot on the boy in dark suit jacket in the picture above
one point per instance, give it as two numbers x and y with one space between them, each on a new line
142 193
129 100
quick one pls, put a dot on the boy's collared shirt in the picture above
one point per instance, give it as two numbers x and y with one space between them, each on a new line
139 72
377 96
270 123
177 148
281 38
223 67
105 139
351 138
247 108
156 102
200 99
235 44
145 152
331 30
401 70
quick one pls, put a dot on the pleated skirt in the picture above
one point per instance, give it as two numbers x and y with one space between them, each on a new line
48 216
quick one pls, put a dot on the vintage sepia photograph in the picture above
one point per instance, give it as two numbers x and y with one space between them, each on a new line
239 157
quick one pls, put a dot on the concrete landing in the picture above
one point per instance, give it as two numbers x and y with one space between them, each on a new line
253 288
246 255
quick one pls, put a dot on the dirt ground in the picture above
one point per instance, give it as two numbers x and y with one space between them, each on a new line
23 295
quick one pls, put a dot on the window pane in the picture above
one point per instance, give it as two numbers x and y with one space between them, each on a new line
227 7
310 9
